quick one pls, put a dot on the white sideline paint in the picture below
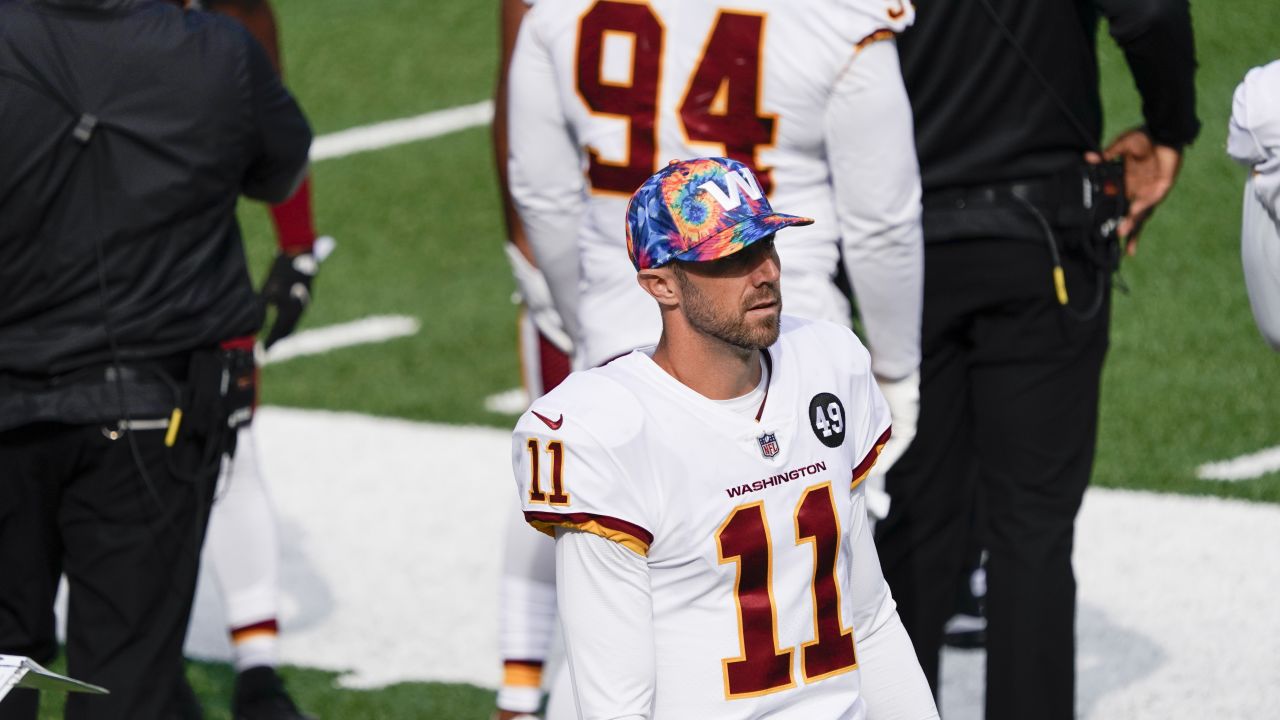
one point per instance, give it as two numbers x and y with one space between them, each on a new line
397 132
1245 467
508 402
392 532
373 329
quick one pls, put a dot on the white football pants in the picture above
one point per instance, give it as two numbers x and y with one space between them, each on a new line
1260 254
242 545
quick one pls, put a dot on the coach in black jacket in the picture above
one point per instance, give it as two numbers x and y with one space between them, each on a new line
128 128
1019 246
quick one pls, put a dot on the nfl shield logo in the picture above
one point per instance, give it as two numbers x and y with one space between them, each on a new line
768 445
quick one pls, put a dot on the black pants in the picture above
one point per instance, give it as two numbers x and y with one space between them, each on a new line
72 500
1008 406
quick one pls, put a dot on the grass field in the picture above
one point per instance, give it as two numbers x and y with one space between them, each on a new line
420 233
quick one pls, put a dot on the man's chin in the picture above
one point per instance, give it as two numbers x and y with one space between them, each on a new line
765 331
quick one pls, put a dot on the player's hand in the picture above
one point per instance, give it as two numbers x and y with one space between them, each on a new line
288 291
536 296
1149 172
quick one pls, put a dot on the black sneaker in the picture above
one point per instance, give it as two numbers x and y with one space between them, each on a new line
967 628
260 695
965 632
185 705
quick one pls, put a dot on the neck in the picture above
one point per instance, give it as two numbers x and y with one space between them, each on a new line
707 365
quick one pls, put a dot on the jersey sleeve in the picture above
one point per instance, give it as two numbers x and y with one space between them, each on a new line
876 184
283 136
544 166
570 455
1159 46
892 683
606 609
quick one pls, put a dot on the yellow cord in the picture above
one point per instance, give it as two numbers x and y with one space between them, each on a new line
1060 284
175 420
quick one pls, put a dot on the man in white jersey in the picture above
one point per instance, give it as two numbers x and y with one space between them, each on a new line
1254 141
713 558
808 93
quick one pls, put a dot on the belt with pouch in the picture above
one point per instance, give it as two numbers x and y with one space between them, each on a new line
1077 208
999 209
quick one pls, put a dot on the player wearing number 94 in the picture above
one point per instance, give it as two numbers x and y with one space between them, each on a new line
712 552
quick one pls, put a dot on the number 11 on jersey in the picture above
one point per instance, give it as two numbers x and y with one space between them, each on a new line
744 538
558 495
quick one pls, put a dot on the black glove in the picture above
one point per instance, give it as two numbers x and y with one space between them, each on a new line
288 290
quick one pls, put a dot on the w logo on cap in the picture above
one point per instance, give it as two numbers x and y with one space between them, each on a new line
737 182
699 210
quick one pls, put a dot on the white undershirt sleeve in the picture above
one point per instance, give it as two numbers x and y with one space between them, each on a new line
545 169
893 685
606 611
871 150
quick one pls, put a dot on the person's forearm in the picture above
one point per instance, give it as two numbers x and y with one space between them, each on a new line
876 180
606 613
544 175
1159 45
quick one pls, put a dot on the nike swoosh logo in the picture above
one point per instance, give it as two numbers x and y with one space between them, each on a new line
553 424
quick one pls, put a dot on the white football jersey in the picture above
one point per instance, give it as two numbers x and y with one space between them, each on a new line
605 92
748 527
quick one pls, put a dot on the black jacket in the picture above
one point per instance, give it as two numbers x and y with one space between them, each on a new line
982 116
128 128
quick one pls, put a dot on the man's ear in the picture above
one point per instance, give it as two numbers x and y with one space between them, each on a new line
661 284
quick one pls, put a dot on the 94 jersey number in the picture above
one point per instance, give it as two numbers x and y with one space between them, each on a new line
720 104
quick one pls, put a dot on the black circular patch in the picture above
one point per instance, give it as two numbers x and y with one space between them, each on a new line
826 417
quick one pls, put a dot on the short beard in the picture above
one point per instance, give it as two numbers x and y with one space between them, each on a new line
731 327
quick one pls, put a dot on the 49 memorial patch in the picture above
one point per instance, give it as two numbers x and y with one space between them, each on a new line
826 417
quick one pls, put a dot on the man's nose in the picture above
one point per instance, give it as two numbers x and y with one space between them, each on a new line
768 270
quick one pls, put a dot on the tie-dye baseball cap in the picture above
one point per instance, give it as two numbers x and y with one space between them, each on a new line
699 210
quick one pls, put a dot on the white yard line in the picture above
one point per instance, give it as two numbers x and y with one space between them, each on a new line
397 132
374 329
1245 467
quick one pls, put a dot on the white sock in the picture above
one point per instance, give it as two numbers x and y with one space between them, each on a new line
259 648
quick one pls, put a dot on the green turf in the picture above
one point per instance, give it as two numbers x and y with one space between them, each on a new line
352 63
317 692
1188 380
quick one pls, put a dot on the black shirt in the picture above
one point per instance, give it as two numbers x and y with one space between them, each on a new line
982 117
127 130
